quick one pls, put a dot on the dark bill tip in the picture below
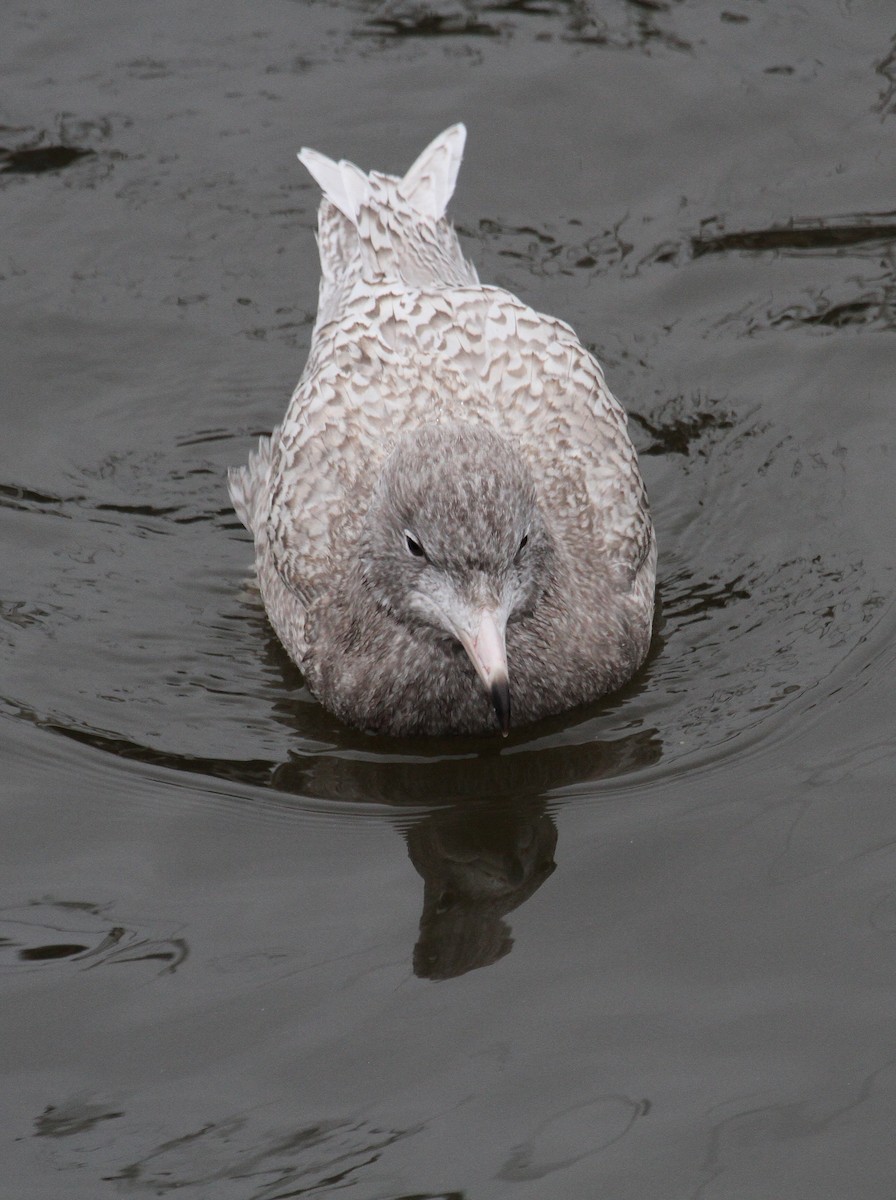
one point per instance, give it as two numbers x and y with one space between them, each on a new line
500 692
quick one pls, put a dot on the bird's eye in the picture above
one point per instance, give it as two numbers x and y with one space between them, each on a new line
413 545
523 542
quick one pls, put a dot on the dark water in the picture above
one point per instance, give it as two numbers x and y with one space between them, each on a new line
646 951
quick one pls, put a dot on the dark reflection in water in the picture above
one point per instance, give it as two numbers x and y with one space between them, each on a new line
75 1116
79 933
634 25
677 435
427 23
477 865
489 843
34 160
445 774
874 307
813 233
313 1159
886 68
23 499
689 600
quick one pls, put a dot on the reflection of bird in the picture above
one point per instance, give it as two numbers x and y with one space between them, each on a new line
477 865
453 491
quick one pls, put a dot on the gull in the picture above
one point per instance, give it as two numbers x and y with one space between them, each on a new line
451 529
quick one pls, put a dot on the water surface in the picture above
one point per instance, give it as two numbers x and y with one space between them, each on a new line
644 950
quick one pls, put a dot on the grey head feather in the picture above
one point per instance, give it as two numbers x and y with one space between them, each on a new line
465 496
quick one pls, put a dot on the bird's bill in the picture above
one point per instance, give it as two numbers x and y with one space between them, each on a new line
483 640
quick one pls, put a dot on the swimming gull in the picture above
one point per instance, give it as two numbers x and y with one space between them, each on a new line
452 493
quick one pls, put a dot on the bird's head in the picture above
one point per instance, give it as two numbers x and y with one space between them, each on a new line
455 544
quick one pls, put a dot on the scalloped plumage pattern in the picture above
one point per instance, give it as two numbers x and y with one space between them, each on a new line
406 335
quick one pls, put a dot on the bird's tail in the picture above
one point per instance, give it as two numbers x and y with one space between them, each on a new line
386 227
249 486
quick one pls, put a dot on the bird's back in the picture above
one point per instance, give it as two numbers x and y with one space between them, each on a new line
406 334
